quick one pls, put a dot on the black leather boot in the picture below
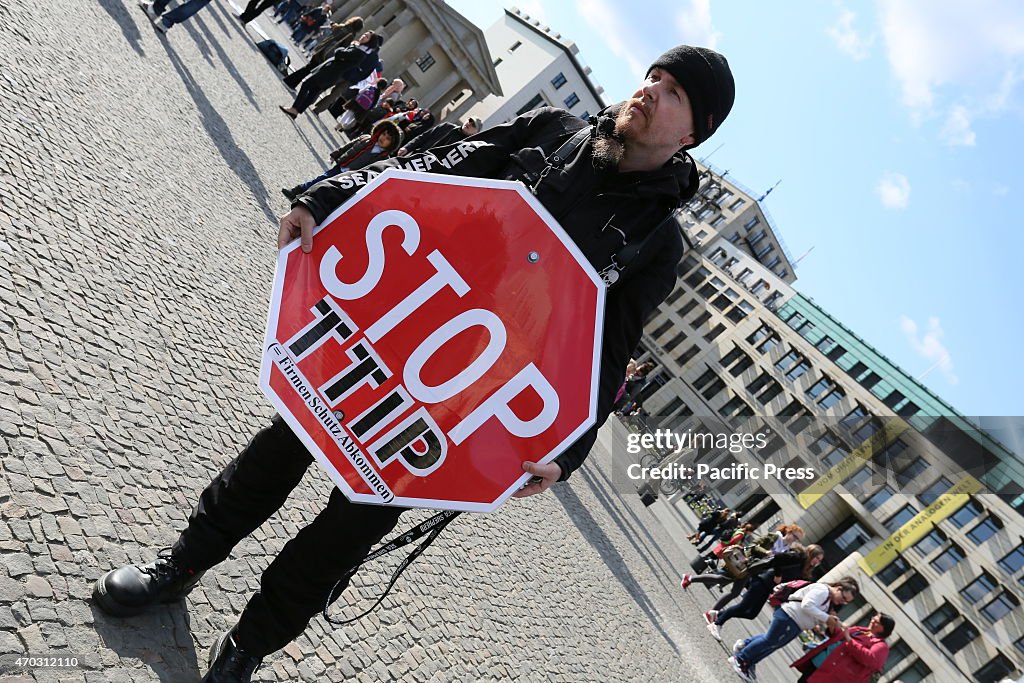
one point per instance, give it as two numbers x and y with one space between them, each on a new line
130 590
291 192
229 663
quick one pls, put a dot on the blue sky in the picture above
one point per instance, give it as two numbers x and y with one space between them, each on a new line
895 128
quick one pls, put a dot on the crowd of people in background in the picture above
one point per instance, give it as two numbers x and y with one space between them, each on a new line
343 76
779 570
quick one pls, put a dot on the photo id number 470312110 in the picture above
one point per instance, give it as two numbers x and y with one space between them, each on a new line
12 663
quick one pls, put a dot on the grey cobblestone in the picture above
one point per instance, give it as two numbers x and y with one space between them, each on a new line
138 191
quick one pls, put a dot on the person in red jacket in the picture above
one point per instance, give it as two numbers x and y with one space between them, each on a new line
851 655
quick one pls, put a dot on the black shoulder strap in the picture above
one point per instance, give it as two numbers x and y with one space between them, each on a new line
558 158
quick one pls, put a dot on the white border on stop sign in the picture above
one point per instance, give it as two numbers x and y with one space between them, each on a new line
439 179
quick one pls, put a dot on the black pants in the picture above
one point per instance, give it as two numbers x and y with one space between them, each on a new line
758 590
320 80
254 9
734 590
296 584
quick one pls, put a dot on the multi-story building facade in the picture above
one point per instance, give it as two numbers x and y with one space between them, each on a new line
907 495
439 54
537 67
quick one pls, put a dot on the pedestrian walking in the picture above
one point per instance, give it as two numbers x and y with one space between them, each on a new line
793 564
164 21
254 8
850 655
348 65
800 611
613 184
341 35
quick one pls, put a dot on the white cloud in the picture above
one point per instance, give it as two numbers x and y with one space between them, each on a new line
694 24
605 20
847 38
929 347
1000 190
627 38
954 59
894 191
957 130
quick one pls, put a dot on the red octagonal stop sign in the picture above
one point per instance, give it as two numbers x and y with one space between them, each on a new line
442 331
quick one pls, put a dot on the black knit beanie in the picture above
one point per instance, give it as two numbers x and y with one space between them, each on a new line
705 76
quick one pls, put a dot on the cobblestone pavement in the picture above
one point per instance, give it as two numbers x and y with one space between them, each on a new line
139 179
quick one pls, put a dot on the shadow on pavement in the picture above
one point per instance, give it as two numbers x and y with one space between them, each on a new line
161 639
237 160
197 25
121 16
591 530
632 528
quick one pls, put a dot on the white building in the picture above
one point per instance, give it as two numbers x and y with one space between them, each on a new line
536 67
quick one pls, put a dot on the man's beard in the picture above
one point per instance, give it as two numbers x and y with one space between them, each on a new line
609 142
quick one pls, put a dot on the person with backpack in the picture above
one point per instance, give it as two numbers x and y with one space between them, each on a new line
800 607
725 530
381 143
614 183
340 36
348 65
850 655
796 563
707 524
355 108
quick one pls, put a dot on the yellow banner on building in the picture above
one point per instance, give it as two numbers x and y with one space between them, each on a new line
892 428
920 525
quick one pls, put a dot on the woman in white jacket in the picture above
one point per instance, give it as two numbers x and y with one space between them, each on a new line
804 609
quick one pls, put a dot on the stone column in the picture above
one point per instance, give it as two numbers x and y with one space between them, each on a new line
470 100
448 97
432 99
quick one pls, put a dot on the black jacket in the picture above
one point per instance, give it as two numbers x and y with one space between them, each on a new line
591 205
440 135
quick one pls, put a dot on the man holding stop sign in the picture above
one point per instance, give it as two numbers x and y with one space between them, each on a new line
611 184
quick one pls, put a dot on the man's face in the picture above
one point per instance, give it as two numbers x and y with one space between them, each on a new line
469 129
658 114
365 38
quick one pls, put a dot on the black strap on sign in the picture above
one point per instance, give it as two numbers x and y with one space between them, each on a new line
431 528
627 255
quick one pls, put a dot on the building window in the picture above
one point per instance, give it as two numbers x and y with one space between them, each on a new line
739 311
940 618
932 493
1001 605
497 62
798 371
735 406
960 637
858 478
934 539
752 223
789 359
947 559
687 355
700 320
846 538
1014 560
687 307
898 651
425 62
996 670
911 587
902 516
854 416
741 366
714 332
662 329
734 355
674 341
893 571
837 352
760 333
738 204
572 100
915 673
979 588
534 103
820 387
704 379
558 81
585 116
985 530
832 398
916 468
675 296
773 390
970 511
713 388
515 46
879 498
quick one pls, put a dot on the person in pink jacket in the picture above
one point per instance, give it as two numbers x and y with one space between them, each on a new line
851 655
